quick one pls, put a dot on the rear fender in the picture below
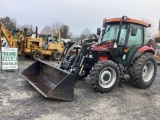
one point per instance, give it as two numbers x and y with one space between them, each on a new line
146 48
142 50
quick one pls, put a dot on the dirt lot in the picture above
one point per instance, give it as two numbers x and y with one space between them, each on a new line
20 101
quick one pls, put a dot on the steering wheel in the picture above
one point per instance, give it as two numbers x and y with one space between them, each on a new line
91 38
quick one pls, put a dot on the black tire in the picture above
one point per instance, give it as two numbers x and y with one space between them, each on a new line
144 71
55 55
108 70
37 55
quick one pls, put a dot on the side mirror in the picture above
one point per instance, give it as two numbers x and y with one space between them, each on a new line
149 25
134 31
98 31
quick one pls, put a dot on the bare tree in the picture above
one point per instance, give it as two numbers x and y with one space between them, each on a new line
65 32
28 27
84 34
56 25
150 31
46 30
9 23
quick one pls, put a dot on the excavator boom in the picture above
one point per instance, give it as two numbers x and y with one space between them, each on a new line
8 36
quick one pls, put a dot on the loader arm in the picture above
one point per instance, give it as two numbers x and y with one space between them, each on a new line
80 60
7 35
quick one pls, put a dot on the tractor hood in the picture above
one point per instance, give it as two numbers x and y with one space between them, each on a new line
103 46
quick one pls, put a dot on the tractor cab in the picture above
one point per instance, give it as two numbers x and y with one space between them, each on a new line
122 37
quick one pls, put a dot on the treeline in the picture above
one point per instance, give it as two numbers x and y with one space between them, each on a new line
11 23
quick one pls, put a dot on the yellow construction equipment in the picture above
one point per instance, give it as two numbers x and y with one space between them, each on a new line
157 41
54 44
33 47
11 41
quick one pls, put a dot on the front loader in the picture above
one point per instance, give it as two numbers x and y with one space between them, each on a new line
121 48
57 81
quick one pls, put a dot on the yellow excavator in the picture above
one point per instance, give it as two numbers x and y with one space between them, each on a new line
32 47
157 41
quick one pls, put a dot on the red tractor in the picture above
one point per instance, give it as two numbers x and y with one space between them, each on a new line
121 48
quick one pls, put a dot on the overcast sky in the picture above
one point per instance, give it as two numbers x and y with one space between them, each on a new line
78 14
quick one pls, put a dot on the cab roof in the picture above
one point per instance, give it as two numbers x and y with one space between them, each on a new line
129 20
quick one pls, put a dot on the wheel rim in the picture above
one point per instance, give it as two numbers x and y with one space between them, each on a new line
57 55
37 56
107 77
147 71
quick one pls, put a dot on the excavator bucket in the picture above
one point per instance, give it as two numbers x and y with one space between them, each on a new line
50 81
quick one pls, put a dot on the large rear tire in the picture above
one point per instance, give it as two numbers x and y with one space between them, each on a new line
144 71
104 76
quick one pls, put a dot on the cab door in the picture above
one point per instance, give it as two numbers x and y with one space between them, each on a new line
133 43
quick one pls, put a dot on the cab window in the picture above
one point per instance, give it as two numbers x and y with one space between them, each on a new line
138 38
111 33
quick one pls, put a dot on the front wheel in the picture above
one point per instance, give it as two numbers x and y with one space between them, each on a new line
55 55
144 71
37 55
104 76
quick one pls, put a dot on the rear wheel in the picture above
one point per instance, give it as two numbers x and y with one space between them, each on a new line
104 76
37 55
144 71
55 55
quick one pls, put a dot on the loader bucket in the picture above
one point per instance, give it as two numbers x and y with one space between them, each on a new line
50 81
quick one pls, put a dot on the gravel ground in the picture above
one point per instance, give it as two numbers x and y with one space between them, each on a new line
20 101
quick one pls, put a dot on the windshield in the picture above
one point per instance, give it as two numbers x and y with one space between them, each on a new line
111 33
